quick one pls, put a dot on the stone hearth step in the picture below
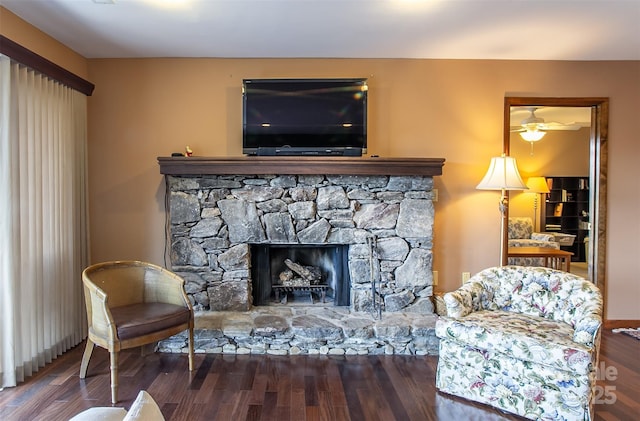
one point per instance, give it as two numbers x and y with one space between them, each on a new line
309 330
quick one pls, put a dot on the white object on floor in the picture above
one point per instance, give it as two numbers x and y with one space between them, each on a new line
144 408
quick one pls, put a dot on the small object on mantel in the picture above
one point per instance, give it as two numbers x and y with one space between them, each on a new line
177 154
188 151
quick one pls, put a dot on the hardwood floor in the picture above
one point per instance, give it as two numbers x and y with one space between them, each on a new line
229 387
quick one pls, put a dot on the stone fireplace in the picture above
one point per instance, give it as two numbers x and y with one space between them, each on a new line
224 228
385 221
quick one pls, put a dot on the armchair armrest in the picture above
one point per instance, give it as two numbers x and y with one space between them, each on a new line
587 330
165 287
580 305
587 318
101 321
530 242
465 300
542 236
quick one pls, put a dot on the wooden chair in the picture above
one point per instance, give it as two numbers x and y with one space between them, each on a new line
131 304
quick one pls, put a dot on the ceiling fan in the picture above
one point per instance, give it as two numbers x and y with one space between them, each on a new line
533 124
533 128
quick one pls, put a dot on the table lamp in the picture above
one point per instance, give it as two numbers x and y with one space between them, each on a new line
537 186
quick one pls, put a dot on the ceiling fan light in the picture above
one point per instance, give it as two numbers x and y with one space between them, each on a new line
532 135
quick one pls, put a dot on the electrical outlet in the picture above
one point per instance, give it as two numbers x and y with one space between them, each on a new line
465 276
435 278
434 195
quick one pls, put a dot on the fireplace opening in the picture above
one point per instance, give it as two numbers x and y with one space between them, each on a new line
295 274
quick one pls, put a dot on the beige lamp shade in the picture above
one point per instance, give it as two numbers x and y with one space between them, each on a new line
502 175
537 185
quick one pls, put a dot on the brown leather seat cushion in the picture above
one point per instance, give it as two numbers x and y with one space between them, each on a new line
141 319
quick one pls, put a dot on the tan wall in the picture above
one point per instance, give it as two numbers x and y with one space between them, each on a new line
14 28
144 108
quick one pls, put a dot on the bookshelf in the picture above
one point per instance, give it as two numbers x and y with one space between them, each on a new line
567 212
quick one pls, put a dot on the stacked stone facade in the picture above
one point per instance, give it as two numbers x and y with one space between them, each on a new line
387 222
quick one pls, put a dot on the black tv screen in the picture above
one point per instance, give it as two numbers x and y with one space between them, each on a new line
304 116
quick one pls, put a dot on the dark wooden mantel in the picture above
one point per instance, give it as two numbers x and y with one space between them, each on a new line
288 165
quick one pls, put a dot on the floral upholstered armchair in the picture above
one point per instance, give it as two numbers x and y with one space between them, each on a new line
520 234
522 339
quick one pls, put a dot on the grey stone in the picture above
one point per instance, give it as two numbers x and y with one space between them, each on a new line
285 181
394 326
218 182
376 216
255 182
392 248
210 213
384 233
358 328
229 296
216 243
342 223
193 282
332 197
206 227
212 277
279 228
362 251
242 220
180 231
313 327
419 195
360 271
217 194
236 258
302 224
421 305
201 299
302 210
360 194
348 180
336 214
183 208
182 183
416 270
396 302
348 236
415 218
408 183
310 180
186 252
389 265
237 325
362 300
232 275
258 193
390 196
315 233
425 292
274 205
266 325
303 193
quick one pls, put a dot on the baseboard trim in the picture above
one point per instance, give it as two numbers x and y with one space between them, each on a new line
615 324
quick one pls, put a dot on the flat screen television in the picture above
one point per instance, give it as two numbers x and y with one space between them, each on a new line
304 116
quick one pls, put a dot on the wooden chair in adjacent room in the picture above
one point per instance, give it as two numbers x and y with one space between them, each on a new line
131 304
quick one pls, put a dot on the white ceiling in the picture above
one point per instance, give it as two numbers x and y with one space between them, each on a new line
453 29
